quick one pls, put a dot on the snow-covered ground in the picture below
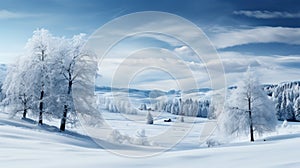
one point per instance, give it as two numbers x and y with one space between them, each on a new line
25 144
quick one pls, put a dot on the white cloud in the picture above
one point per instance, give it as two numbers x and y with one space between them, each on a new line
185 69
187 54
162 37
182 49
165 27
5 14
270 69
267 14
151 67
162 26
256 35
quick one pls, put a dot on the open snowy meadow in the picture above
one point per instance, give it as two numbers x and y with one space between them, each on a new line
25 144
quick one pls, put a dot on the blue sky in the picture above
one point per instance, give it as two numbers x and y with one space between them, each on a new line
263 33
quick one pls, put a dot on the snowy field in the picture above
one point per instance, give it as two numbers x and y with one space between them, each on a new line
25 144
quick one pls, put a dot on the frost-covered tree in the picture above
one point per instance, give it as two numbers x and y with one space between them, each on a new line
283 105
83 90
278 107
187 107
39 49
149 118
248 110
26 84
17 95
289 110
64 76
297 109
118 106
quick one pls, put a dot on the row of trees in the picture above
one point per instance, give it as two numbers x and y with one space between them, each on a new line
188 107
116 106
287 99
42 80
122 106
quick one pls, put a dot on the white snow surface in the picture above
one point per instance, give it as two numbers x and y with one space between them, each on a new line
25 144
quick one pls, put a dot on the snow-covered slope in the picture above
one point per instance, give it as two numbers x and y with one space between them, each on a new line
24 144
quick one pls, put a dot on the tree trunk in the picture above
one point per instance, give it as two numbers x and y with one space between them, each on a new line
70 87
64 119
42 91
250 120
41 108
41 114
24 113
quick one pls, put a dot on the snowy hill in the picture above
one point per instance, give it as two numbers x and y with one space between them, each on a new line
25 144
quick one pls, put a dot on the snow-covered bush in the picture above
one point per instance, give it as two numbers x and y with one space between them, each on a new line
284 124
119 138
211 142
141 138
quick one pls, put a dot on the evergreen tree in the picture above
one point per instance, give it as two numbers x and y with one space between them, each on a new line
297 109
149 118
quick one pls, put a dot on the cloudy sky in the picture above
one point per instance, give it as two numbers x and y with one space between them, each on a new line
262 33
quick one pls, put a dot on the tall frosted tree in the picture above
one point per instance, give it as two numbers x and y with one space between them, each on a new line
65 76
248 110
38 53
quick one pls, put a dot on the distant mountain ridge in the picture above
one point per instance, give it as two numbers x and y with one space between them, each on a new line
145 93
